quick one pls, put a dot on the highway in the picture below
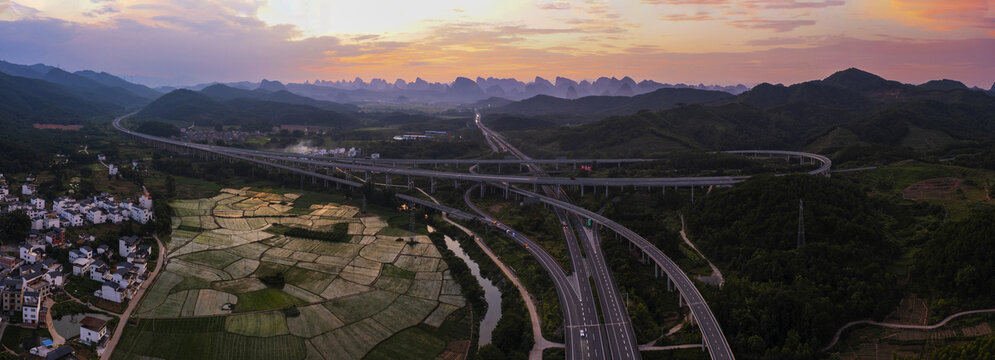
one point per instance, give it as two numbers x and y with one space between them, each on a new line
615 337
649 182
574 316
714 339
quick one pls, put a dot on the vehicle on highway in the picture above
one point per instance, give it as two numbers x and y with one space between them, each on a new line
582 333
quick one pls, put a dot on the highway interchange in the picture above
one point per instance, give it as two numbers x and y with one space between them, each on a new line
612 339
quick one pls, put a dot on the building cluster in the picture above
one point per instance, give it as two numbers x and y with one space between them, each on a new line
211 136
429 134
34 275
336 152
67 212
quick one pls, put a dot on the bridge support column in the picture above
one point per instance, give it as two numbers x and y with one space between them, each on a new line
499 168
432 185
411 184
506 191
656 272
680 300
582 191
692 193
606 190
366 174
535 188
482 185
670 286
456 183
387 179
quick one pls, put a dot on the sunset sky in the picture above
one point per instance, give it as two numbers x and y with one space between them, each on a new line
184 42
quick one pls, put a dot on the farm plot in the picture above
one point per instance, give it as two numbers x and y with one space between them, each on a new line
350 297
270 323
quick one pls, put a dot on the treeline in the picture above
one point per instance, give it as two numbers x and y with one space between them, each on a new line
956 263
785 302
980 348
339 233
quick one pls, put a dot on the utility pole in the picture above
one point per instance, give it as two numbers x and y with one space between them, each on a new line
801 224
411 218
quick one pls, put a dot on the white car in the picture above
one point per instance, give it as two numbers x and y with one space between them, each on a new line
582 333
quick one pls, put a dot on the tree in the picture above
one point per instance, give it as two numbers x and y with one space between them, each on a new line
14 227
490 352
170 187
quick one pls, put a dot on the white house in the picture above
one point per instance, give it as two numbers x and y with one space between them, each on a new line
81 266
4 190
110 291
92 330
38 202
31 253
27 189
145 201
127 245
74 218
55 278
52 221
97 270
112 169
116 217
37 222
141 215
96 216
31 307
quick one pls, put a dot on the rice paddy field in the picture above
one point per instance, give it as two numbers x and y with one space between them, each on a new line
338 301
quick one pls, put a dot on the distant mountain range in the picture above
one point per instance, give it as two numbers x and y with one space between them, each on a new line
88 85
850 107
258 109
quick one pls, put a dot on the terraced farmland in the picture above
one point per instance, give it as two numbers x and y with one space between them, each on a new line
216 297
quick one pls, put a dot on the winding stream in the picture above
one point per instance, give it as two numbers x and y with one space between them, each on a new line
491 293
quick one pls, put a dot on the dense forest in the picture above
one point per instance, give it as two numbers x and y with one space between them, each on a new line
782 300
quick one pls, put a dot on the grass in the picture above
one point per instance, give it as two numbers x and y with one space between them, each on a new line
218 259
265 299
354 308
412 343
313 320
264 324
14 335
394 271
202 338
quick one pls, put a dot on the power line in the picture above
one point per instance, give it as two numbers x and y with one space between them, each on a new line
801 224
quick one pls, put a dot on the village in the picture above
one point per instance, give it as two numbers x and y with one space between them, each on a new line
35 274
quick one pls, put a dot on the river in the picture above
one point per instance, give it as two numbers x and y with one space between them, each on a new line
491 293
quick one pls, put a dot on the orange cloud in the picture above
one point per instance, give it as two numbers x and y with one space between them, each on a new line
939 14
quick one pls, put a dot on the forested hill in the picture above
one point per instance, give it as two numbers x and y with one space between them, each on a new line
597 107
223 92
851 107
186 107
780 301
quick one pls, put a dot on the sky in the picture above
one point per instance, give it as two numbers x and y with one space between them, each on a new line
726 42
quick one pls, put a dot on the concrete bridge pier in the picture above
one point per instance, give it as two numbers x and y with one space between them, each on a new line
680 300
411 184
366 174
582 191
692 194
387 179
482 185
670 285
506 191
431 185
